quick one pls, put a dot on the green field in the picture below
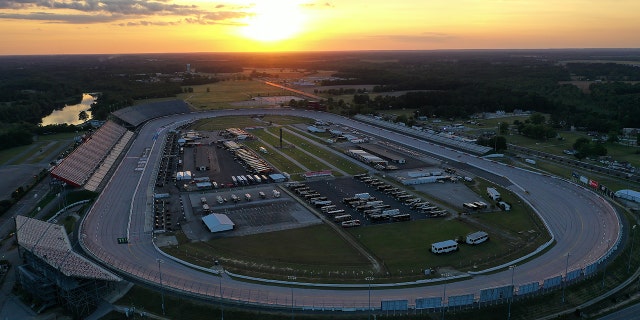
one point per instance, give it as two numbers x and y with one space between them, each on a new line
221 123
312 253
274 158
31 153
221 94
329 156
301 157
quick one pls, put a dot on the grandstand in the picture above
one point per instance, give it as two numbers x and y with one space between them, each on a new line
77 168
447 140
53 273
137 115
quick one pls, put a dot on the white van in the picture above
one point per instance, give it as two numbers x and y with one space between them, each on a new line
477 237
444 246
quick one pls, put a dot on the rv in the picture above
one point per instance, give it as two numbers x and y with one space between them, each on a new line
477 237
342 218
493 194
444 246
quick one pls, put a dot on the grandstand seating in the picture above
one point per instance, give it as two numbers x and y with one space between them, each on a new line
76 168
136 115
96 179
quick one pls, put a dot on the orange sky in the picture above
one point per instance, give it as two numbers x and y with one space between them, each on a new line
132 26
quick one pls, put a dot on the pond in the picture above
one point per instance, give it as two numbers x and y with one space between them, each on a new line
69 114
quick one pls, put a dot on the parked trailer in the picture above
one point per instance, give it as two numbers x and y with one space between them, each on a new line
322 203
444 246
335 212
342 218
402 217
328 208
391 212
370 212
379 217
438 213
480 204
350 223
257 178
477 237
364 195
470 206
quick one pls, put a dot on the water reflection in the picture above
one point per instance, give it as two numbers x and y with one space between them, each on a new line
69 114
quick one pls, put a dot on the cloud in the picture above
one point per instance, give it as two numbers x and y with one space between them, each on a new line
98 11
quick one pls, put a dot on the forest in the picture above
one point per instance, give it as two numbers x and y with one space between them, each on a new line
449 84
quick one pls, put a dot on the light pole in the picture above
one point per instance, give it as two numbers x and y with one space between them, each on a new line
604 272
291 278
369 279
221 296
444 292
161 286
633 237
513 270
566 270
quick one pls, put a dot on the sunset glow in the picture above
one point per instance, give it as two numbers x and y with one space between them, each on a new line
274 21
130 26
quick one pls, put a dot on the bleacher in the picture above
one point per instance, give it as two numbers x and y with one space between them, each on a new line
447 140
76 168
96 179
137 115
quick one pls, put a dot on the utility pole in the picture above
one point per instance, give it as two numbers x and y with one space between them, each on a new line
513 270
161 286
566 270
633 238
369 279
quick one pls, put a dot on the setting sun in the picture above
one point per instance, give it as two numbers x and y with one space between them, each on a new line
274 21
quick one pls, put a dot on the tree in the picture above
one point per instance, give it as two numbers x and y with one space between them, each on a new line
83 116
503 128
537 118
612 137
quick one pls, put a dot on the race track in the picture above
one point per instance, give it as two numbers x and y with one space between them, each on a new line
583 224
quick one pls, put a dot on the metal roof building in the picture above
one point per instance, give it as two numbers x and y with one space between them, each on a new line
218 222
630 195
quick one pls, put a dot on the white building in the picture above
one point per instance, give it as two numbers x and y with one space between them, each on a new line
630 195
218 222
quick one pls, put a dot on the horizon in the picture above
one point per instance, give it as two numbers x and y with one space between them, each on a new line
79 27
330 51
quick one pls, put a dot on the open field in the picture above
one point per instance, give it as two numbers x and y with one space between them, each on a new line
327 155
31 153
274 158
313 252
221 123
219 95
310 162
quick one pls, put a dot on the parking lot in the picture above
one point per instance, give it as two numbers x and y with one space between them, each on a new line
254 216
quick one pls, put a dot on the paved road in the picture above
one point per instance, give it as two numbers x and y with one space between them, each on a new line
583 224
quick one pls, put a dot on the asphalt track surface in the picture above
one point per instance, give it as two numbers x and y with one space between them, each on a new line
583 224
